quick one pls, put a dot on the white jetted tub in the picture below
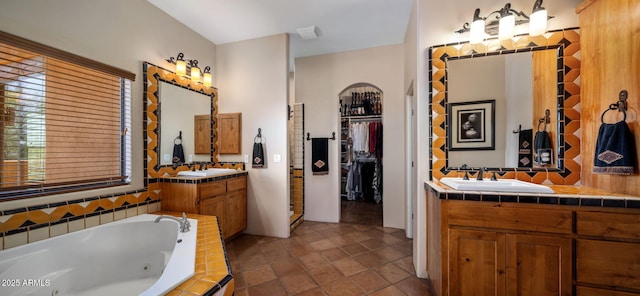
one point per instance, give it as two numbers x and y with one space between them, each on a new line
134 256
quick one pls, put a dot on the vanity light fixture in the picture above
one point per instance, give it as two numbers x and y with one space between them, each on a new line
184 66
503 22
206 76
195 71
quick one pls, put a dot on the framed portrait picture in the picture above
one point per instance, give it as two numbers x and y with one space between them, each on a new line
471 125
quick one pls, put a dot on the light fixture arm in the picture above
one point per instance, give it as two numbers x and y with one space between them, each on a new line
173 60
537 6
492 19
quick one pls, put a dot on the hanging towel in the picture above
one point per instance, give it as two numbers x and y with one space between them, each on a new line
258 155
178 154
542 151
524 148
615 150
320 156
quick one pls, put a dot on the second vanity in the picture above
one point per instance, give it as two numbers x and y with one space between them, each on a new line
576 241
222 195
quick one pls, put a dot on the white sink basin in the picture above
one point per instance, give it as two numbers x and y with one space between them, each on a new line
206 173
502 185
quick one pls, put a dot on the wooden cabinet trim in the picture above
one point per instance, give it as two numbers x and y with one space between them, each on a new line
236 184
608 225
211 189
610 264
490 215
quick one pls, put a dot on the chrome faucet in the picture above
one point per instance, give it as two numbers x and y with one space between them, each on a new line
185 226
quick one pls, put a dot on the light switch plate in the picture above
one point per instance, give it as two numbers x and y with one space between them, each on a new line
277 158
246 158
166 157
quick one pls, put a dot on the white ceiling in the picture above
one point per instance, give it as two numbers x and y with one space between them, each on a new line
342 24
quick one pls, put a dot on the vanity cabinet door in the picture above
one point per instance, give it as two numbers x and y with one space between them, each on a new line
608 263
215 207
236 212
476 263
538 265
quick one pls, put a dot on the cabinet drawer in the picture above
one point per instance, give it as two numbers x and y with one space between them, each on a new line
212 188
237 184
586 291
614 264
490 215
609 225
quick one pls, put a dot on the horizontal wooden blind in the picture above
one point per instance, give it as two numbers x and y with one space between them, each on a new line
64 125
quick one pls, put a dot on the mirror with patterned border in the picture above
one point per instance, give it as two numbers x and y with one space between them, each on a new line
567 151
155 76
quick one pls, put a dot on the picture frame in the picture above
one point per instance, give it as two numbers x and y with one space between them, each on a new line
471 125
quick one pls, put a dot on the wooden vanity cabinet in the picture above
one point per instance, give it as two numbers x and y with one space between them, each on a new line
226 199
608 253
506 250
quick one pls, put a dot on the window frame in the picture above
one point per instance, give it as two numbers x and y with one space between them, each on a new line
125 79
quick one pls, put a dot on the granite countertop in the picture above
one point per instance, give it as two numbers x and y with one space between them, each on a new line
564 195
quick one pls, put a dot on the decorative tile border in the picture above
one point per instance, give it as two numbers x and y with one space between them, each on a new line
25 225
151 124
582 200
201 180
568 43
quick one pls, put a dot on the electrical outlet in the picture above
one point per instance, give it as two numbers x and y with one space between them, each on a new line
246 158
277 158
190 157
166 157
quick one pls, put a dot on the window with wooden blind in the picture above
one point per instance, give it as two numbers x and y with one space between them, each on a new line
65 121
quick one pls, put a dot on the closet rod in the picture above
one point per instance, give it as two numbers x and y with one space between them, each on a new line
358 119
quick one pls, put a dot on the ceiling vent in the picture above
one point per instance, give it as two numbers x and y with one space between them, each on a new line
308 32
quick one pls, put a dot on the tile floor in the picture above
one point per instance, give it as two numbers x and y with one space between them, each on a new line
326 259
361 212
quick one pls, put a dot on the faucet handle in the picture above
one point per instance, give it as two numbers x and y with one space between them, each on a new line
493 176
186 225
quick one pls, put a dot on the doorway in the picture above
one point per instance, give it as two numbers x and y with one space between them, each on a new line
296 165
361 154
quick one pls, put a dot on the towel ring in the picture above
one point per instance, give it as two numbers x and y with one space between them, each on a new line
258 138
178 139
620 105
614 107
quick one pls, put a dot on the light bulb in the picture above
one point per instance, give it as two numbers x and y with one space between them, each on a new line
538 23
476 32
181 68
207 79
195 74
507 27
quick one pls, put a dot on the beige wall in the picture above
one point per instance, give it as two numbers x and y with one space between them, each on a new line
319 80
121 33
254 79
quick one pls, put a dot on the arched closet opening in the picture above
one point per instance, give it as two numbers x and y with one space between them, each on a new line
361 154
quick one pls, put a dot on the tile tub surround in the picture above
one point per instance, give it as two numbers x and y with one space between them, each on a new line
564 195
213 270
19 226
